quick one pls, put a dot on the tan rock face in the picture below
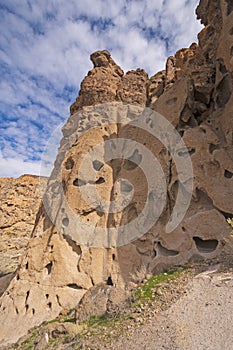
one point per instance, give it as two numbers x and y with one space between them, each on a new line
20 200
67 256
101 83
133 88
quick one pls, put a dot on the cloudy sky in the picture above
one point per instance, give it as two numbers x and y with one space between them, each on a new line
44 55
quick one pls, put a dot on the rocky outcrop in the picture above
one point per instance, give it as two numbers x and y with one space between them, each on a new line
101 83
20 200
67 256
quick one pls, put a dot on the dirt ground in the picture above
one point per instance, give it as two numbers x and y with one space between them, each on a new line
200 319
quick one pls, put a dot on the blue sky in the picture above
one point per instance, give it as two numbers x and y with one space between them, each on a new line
44 55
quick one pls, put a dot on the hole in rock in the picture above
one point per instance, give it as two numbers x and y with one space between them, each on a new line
109 281
171 101
75 247
186 152
212 148
99 211
33 311
205 246
50 305
192 151
153 197
228 174
128 165
58 300
202 197
79 183
222 66
165 252
229 7
47 296
113 257
97 165
27 295
226 215
49 267
63 183
26 307
200 97
74 286
181 132
86 213
26 266
133 161
17 277
136 157
149 121
16 310
100 181
126 187
183 229
65 222
69 164
224 90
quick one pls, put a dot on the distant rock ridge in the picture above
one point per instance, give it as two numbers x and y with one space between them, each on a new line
194 93
20 200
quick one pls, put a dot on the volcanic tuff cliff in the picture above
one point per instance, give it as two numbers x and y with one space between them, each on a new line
194 93
20 200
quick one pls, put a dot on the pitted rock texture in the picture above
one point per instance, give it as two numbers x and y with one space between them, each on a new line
194 93
101 83
20 200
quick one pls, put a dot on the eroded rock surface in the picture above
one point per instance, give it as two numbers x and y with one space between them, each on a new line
20 200
194 93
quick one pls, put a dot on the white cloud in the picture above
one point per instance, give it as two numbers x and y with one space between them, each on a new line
14 167
44 55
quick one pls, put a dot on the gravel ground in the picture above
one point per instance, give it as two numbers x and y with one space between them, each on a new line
201 319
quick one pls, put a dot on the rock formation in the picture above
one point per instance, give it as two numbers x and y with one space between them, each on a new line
194 93
20 200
